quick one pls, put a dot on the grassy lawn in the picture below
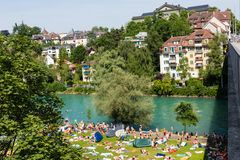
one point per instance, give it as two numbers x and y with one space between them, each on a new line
132 151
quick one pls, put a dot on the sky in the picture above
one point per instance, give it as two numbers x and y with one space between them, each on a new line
65 15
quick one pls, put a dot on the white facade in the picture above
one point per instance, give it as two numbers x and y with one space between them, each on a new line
168 64
76 42
216 26
51 54
86 72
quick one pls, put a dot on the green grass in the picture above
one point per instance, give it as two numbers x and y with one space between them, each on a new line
132 151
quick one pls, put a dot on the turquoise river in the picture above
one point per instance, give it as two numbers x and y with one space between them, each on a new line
212 113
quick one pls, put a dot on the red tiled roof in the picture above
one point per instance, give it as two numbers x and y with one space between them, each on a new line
202 33
206 16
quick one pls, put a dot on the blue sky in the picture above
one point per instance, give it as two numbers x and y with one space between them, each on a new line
63 15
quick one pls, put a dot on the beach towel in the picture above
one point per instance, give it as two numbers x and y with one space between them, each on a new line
184 144
90 148
181 155
198 152
106 154
98 137
120 133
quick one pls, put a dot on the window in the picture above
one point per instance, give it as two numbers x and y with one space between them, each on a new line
190 48
165 49
192 69
191 55
173 68
190 42
172 49
191 62
165 55
180 48
166 62
166 68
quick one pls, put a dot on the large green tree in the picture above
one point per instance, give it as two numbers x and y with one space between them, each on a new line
212 75
183 68
186 115
26 103
119 94
25 30
78 54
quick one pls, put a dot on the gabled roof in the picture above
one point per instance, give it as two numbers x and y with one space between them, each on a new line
170 41
200 34
171 6
198 17
199 8
44 31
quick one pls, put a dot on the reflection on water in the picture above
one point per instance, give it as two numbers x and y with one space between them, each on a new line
212 113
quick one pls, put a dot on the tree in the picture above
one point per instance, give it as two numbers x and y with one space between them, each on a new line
183 68
138 60
215 62
134 28
78 54
119 94
25 103
186 115
164 86
63 55
25 30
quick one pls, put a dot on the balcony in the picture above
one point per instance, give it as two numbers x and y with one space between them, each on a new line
199 65
198 59
86 72
198 44
199 51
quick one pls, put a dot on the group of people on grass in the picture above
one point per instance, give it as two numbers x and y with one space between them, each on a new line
157 138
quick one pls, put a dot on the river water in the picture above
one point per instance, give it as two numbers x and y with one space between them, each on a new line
212 113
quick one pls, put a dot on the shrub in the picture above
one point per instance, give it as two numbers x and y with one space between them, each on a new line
56 87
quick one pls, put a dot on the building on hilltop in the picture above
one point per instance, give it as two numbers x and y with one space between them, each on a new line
138 40
4 32
76 38
167 9
194 47
46 37
199 9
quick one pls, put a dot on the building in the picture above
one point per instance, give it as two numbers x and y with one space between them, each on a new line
138 40
167 9
4 32
51 54
199 9
76 38
86 72
194 47
46 37
170 55
216 26
199 19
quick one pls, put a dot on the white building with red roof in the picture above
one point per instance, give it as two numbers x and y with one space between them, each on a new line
194 47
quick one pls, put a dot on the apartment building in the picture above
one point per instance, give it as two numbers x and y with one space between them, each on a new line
194 47
138 40
86 72
51 54
76 38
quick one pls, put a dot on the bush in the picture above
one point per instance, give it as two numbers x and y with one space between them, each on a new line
56 87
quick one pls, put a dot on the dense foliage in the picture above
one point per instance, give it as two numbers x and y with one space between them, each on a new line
186 115
25 30
30 114
119 93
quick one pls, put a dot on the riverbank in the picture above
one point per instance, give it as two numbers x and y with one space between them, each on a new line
152 95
